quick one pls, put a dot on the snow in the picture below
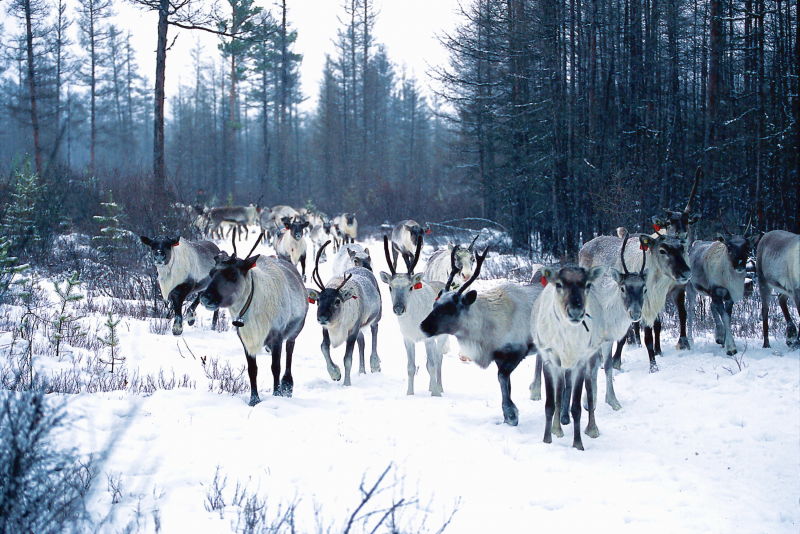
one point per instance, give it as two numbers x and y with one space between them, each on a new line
696 447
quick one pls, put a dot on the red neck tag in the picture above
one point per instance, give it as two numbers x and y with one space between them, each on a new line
656 227
355 297
311 301
543 281
428 231
418 285
643 247
176 244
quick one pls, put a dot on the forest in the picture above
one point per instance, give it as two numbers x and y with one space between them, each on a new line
558 119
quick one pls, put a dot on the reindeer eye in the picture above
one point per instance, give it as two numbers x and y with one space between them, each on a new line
559 286
662 251
622 288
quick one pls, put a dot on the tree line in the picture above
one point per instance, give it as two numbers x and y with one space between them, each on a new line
559 119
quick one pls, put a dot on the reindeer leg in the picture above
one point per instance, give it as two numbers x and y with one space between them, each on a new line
333 369
566 395
303 264
648 341
579 373
558 380
591 393
617 361
348 358
717 309
176 298
691 298
191 315
411 366
763 289
657 335
215 320
275 349
536 385
791 329
680 303
287 382
434 365
611 395
797 309
726 310
252 372
506 363
549 404
637 336
362 370
374 359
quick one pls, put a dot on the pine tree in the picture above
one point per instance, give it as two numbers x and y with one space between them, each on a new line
20 219
9 268
111 238
112 342
64 322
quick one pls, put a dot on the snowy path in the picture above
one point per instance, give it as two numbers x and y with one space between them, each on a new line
694 449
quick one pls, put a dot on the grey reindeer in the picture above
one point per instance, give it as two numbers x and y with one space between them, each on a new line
182 267
439 264
718 271
404 238
346 305
268 299
493 326
778 268
412 301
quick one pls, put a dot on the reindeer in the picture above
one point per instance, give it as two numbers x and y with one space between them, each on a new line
678 223
350 255
272 220
347 225
345 306
269 301
438 267
320 232
291 246
404 238
412 301
778 268
614 302
491 327
240 217
718 271
565 338
182 267
667 265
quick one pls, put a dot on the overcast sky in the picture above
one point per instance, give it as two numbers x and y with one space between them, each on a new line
408 28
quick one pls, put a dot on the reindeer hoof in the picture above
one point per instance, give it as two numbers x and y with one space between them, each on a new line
436 393
614 403
254 400
548 438
536 391
565 420
375 364
511 415
653 367
731 352
718 340
617 364
335 373
592 432
683 344
558 432
578 445
177 329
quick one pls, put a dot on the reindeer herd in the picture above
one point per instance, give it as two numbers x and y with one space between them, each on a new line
568 316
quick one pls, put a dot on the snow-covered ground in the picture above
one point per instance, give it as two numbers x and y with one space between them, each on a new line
696 447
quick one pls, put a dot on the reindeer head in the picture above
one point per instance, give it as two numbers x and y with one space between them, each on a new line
632 285
227 278
401 285
450 305
329 300
297 227
326 227
668 253
678 222
350 218
738 248
360 259
464 261
571 284
161 247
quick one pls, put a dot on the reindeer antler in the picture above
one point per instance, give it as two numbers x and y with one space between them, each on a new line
644 262
392 265
410 265
477 272
453 269
260 237
344 281
472 245
315 273
697 175
233 240
622 253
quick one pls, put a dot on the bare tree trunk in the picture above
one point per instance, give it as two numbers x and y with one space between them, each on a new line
32 87
159 171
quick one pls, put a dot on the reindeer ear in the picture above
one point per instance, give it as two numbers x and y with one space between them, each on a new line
660 222
720 237
366 251
146 240
385 277
351 252
417 278
469 297
175 242
549 274
250 262
646 241
615 274
348 293
596 272
312 295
